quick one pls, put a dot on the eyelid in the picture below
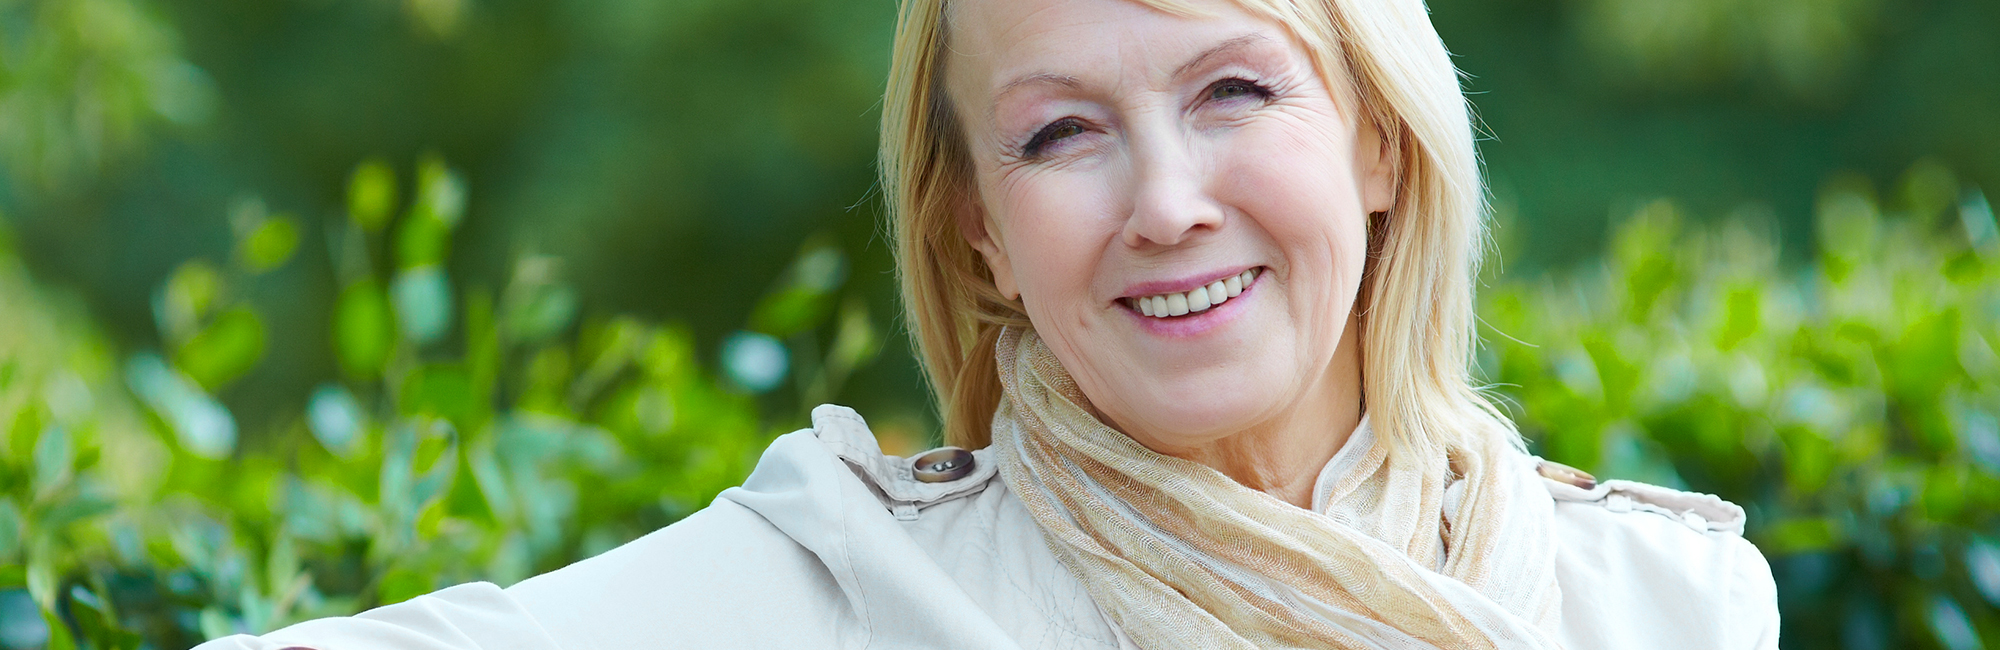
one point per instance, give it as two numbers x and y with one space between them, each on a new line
1259 89
1032 148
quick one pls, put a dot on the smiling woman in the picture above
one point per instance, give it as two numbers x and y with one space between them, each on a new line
1193 284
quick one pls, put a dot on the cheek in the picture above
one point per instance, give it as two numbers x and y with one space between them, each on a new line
1055 226
1294 177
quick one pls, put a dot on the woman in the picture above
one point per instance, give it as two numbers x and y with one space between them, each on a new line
1193 278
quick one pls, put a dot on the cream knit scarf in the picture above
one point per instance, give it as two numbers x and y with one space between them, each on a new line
1181 556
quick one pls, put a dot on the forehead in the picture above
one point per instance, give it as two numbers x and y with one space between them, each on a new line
996 42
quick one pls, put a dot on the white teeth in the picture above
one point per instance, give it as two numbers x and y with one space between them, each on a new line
1195 300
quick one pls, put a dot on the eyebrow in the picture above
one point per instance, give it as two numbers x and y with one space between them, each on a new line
1230 46
1070 81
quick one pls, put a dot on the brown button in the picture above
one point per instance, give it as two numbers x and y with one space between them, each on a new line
943 464
1559 472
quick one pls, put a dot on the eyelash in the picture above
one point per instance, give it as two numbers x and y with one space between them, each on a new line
1046 136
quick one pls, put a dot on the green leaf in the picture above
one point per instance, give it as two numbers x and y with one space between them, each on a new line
53 456
856 342
422 241
364 331
1799 535
270 245
438 389
790 311
225 350
440 193
371 194
537 305
186 298
401 584
1743 316
42 580
215 624
423 303
59 634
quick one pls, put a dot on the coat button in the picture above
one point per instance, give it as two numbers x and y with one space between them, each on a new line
1561 473
943 464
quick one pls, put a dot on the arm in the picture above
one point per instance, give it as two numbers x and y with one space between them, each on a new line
1753 597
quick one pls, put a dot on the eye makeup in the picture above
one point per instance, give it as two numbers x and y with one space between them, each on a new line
1231 89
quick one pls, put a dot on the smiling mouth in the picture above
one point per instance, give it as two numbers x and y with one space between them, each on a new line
1192 301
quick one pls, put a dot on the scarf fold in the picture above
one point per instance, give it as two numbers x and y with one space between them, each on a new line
1181 556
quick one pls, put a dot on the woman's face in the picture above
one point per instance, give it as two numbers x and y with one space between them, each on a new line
1127 158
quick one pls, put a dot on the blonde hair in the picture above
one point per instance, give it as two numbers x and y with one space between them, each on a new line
1417 327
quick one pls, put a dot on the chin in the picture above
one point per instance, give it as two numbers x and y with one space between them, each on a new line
1197 413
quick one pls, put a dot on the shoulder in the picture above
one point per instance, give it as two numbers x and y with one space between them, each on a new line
829 542
1647 566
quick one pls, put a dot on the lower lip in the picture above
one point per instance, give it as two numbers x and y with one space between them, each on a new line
1199 323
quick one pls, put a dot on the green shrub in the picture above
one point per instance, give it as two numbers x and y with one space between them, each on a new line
475 435
1848 404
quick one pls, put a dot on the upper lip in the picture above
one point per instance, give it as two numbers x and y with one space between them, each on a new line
1188 283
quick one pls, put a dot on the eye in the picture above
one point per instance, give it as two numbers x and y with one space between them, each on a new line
1235 88
1058 130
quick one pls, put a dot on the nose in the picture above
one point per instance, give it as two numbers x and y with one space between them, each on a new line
1169 185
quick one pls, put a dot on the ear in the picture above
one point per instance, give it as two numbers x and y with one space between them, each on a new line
977 228
1377 161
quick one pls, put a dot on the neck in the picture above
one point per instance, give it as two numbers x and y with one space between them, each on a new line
1283 456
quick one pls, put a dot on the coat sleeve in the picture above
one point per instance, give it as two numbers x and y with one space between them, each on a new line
473 616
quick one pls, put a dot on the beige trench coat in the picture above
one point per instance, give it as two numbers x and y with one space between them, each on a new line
832 544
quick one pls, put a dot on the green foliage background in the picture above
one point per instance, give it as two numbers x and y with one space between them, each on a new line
309 306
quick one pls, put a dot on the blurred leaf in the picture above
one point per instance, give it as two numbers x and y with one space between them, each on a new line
440 193
215 624
270 245
1798 536
201 424
1928 189
42 580
336 419
423 303
21 621
10 542
186 298
371 194
803 299
59 634
441 390
1950 625
537 305
790 311
1742 318
400 585
422 241
755 361
1982 562
230 346
1976 215
53 457
363 329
